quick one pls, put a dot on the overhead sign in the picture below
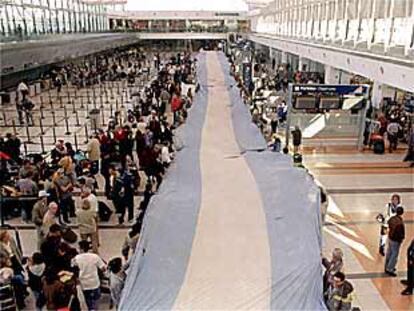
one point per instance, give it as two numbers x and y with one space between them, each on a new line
341 89
321 97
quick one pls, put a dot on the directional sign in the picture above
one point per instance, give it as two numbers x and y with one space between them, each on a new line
341 89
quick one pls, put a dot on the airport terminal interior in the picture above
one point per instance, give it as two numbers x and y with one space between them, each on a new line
206 155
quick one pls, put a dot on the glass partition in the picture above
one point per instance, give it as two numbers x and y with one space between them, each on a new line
29 19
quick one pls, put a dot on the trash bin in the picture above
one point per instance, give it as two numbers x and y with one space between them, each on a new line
94 117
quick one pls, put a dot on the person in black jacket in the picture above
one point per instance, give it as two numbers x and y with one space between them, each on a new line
50 247
410 271
12 146
117 193
297 139
148 193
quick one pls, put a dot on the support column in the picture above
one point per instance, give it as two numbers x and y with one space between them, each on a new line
284 57
332 75
304 62
377 95
301 63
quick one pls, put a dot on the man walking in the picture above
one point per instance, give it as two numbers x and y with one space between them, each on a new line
396 235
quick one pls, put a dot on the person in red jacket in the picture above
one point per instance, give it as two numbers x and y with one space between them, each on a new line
176 105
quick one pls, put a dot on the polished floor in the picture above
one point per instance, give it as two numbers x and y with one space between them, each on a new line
359 185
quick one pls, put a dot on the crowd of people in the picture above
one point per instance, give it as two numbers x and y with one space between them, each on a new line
339 293
130 154
395 125
389 126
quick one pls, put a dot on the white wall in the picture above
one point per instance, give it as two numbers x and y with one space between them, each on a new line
386 70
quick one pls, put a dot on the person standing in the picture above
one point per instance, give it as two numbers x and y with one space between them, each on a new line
165 99
117 193
176 105
410 271
39 211
50 218
86 218
28 107
27 189
392 133
409 157
129 190
87 194
340 294
35 271
94 153
117 279
396 235
89 264
23 91
332 267
65 181
390 210
297 139
12 147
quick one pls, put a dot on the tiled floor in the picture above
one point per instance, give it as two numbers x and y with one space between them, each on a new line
355 199
359 186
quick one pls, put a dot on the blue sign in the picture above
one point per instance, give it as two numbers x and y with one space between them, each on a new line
344 89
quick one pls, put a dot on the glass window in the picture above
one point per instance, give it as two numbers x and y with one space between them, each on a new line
402 27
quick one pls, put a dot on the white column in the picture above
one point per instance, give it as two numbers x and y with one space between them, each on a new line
284 57
331 75
345 77
411 38
390 26
301 63
377 96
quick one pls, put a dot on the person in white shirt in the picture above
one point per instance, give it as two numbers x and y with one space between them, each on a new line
389 211
88 264
393 129
23 89
165 155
